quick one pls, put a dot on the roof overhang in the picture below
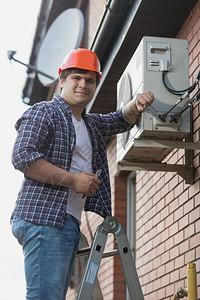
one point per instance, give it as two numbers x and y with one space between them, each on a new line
122 26
115 46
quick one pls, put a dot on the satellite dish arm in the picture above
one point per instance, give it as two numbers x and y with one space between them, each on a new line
11 54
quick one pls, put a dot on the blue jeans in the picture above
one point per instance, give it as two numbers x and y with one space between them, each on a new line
49 255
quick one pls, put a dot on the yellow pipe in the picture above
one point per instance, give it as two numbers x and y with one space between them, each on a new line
192 281
191 291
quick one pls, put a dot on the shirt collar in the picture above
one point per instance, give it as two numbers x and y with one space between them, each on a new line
64 105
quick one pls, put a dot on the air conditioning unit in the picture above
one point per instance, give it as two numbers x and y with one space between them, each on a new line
156 63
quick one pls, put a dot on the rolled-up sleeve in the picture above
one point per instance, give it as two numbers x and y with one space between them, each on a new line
33 130
111 124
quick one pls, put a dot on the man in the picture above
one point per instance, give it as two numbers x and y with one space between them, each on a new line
59 148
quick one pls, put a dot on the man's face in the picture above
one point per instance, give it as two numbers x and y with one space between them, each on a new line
78 89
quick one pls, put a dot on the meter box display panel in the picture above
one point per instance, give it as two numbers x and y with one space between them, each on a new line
161 66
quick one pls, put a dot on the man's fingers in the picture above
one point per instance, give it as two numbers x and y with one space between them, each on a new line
144 100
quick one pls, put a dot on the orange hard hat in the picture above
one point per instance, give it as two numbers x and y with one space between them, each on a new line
83 59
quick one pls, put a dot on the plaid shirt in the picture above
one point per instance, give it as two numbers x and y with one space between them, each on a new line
46 131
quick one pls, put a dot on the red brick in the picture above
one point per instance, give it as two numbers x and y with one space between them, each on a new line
152 192
197 175
148 204
165 257
178 238
169 197
156 262
169 290
196 124
179 261
173 205
156 283
179 189
189 231
183 222
174 252
156 241
183 273
164 212
194 241
184 247
197 226
194 215
189 205
173 182
169 220
160 205
160 249
152 275
160 294
160 226
164 235
197 252
174 276
156 219
190 256
173 229
161 271
169 266
169 243
165 280
194 189
178 214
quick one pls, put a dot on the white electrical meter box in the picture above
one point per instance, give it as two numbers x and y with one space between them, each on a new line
156 62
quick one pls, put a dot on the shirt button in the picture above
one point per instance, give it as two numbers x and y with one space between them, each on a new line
64 215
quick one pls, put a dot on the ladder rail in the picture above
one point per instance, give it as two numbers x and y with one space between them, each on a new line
83 257
92 267
110 225
128 266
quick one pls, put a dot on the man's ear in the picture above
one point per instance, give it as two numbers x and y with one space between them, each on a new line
61 80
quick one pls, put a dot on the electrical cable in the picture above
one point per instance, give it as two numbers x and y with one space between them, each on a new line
179 93
182 94
175 117
195 99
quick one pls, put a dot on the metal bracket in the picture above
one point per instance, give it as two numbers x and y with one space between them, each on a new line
11 54
166 144
185 171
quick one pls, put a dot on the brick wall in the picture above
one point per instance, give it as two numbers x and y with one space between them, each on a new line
168 209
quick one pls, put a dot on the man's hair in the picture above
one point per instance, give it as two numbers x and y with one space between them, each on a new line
69 71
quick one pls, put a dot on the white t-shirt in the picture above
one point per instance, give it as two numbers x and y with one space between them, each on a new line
81 162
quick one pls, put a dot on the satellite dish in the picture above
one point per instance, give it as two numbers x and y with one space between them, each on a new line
64 35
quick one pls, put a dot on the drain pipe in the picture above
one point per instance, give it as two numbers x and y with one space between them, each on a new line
115 15
112 30
191 291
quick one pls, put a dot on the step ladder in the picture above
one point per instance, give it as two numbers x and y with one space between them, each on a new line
96 253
